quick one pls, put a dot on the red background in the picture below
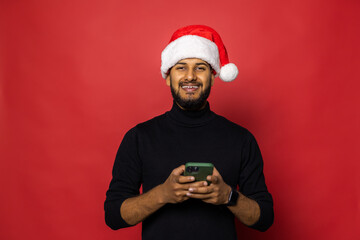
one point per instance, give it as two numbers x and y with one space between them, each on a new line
76 75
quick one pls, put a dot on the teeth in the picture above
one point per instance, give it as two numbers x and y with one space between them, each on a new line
190 86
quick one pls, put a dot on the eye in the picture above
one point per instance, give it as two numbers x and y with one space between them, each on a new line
201 68
180 68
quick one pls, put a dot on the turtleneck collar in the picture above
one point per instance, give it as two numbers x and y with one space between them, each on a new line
191 118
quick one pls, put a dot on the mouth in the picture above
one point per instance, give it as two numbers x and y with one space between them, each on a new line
189 87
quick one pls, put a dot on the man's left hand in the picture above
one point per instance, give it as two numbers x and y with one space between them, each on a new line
216 193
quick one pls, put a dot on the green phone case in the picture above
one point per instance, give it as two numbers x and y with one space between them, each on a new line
199 170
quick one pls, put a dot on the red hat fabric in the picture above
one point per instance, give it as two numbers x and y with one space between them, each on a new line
198 41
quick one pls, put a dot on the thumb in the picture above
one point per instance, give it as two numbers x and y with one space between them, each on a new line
179 170
216 172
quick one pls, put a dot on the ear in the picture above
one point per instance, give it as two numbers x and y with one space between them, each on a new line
212 79
167 79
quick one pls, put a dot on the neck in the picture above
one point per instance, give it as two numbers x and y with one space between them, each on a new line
190 118
198 109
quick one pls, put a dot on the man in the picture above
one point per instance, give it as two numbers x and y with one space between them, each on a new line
153 154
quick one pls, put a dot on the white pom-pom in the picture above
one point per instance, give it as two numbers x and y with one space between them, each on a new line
228 72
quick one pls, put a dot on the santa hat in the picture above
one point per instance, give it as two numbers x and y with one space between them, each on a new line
198 41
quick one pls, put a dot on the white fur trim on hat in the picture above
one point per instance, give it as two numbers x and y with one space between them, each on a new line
228 72
190 46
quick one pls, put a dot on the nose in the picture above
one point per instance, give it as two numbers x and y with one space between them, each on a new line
190 75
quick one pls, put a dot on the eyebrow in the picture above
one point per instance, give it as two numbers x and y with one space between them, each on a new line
206 64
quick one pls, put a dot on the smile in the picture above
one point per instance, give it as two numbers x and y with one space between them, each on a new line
189 87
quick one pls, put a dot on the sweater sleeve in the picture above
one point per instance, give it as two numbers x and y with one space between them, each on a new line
126 180
252 183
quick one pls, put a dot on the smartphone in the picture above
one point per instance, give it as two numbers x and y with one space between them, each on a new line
199 170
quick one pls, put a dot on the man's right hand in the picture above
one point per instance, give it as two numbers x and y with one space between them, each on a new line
176 186
173 190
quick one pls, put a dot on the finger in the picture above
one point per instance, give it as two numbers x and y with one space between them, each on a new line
181 196
179 170
198 184
185 179
181 193
199 195
186 186
202 190
213 179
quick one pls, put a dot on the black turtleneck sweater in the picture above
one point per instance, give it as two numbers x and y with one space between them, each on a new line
151 150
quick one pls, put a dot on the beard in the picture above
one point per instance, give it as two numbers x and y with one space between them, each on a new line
189 103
